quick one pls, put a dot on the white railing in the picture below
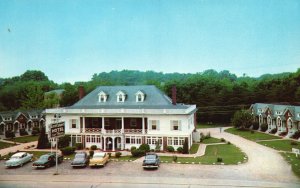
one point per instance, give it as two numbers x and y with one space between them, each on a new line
114 131
93 130
134 131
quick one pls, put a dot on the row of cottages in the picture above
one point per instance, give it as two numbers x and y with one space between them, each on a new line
17 120
284 118
119 117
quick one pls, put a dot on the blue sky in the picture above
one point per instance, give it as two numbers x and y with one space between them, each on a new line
70 40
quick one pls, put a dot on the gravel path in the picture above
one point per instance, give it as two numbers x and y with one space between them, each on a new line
263 163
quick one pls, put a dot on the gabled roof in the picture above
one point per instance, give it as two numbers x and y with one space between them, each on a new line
155 99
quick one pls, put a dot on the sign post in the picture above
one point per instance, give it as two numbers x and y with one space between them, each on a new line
56 130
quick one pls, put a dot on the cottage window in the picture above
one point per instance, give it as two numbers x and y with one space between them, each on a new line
170 141
138 140
148 140
154 124
181 140
78 139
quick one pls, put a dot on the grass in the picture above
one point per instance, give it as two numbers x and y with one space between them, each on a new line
294 161
126 158
204 126
211 140
255 136
281 145
24 139
194 148
229 153
5 145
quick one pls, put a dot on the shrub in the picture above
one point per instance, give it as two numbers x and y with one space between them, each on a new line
222 140
118 154
207 136
201 137
91 153
67 150
144 147
180 149
273 131
282 133
137 153
263 127
132 148
64 141
152 150
175 158
43 140
109 154
23 132
219 159
228 143
296 135
170 149
252 132
9 134
294 143
79 146
93 147
255 125
185 146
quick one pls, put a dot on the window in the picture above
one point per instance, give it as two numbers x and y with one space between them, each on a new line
140 96
121 96
181 140
98 139
298 114
138 140
170 141
132 139
102 96
88 139
133 122
154 124
127 140
106 122
175 125
148 140
93 138
78 139
73 124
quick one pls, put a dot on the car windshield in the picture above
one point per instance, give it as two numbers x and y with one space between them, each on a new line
98 155
150 157
44 157
15 157
79 155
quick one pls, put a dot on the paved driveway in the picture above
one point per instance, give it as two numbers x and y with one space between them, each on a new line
264 163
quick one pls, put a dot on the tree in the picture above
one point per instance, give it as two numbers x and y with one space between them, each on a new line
242 119
34 75
43 141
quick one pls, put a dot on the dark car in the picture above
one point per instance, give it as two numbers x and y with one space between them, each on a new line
151 161
47 160
81 159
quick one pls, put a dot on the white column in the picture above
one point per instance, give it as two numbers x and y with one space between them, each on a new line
83 124
122 131
104 143
103 129
122 143
143 125
113 143
71 140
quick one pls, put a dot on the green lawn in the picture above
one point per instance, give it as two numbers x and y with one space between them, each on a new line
125 158
194 148
24 139
283 145
228 152
5 145
255 136
211 140
204 126
36 154
294 161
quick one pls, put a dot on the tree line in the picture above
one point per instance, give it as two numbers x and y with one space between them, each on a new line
217 94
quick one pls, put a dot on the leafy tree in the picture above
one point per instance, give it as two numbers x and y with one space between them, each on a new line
242 119
43 141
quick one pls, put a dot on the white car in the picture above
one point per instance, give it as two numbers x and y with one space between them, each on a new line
18 159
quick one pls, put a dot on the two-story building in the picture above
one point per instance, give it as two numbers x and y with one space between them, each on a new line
119 117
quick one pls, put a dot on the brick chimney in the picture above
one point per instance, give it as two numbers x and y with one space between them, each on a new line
174 95
81 92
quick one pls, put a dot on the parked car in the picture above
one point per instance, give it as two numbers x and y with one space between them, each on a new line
99 159
151 161
47 160
81 159
18 159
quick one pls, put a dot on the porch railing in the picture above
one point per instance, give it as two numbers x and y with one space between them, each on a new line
134 131
93 130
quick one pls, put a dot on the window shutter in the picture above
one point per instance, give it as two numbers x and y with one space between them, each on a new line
70 124
171 125
157 125
179 125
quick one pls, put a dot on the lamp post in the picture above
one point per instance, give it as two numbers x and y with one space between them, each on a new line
57 117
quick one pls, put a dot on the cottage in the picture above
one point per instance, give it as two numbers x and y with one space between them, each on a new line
119 117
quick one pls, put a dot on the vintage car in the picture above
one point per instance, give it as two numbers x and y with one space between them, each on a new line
81 159
99 159
18 159
47 160
151 161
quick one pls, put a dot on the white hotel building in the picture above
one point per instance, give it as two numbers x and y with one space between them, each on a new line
119 117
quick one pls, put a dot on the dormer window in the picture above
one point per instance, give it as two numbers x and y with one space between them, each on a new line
102 96
140 96
121 96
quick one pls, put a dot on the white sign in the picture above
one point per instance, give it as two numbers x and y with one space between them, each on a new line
296 151
57 129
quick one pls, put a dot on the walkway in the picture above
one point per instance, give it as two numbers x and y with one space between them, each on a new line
20 147
263 162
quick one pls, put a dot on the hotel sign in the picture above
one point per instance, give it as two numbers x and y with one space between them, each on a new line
57 129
